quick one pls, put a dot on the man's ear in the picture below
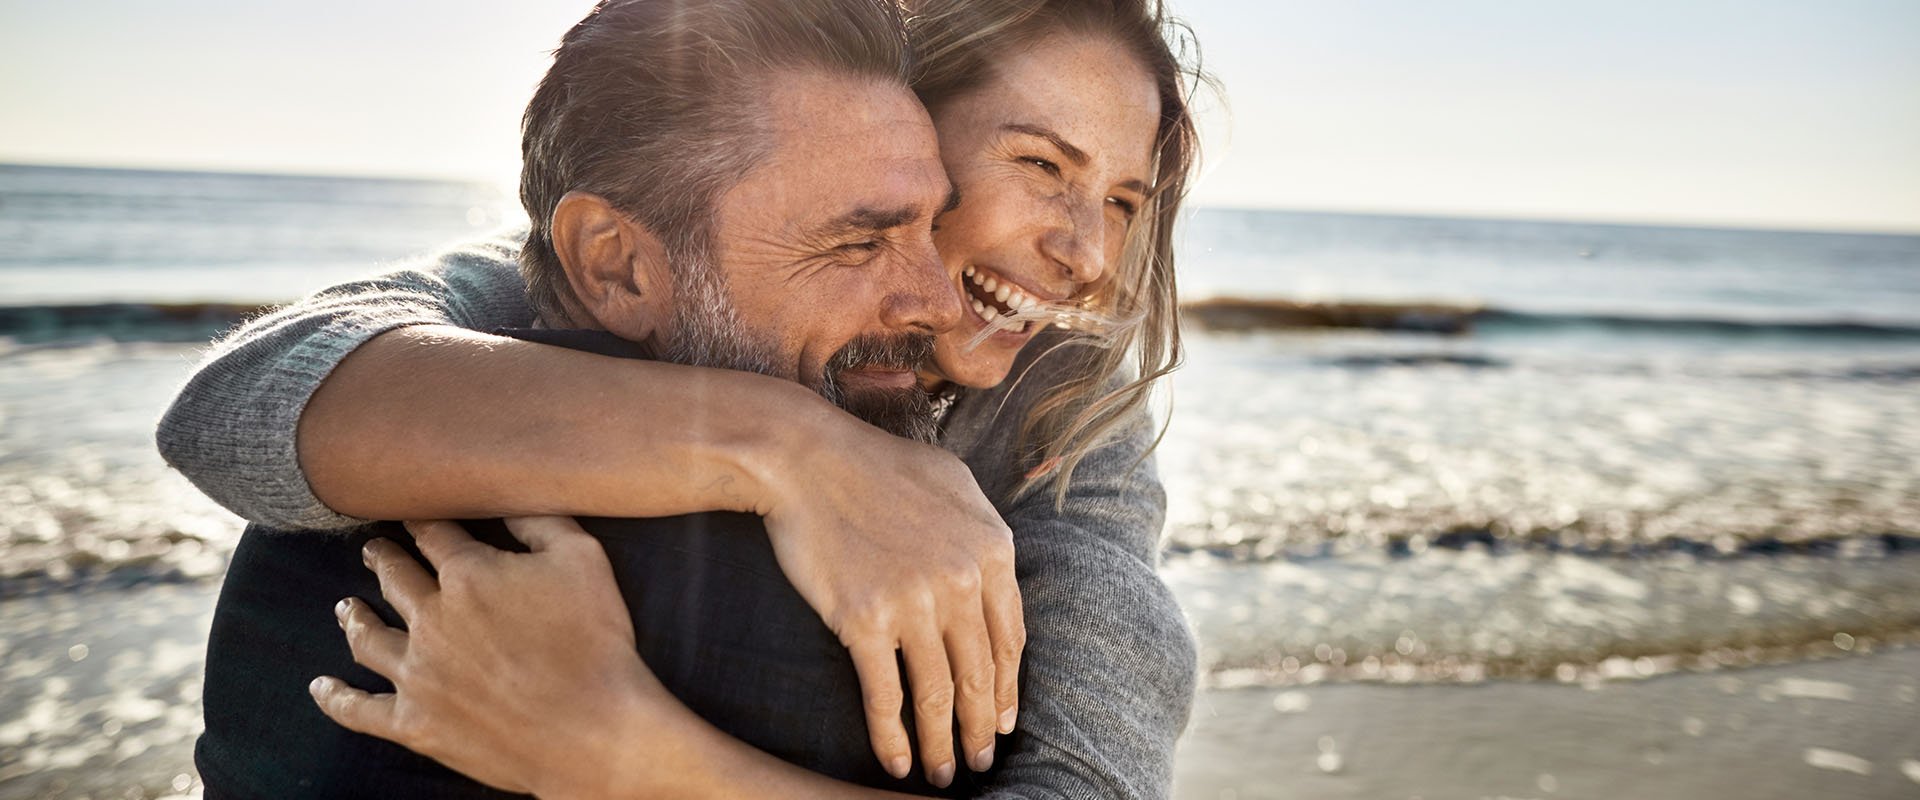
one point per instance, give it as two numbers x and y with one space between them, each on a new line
616 266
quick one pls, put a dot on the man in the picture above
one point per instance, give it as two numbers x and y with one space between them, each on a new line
649 161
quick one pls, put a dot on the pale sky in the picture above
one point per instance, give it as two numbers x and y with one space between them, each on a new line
1750 112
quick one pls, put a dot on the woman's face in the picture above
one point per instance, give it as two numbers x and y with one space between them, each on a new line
1051 157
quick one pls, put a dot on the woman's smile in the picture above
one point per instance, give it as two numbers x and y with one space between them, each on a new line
992 295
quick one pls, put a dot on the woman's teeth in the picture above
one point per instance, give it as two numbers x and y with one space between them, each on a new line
1006 294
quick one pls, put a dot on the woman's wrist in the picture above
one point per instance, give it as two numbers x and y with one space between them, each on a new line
645 749
779 450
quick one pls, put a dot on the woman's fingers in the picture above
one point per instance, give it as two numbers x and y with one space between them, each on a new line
403 581
970 657
375 645
931 676
355 710
439 539
541 534
879 671
1006 624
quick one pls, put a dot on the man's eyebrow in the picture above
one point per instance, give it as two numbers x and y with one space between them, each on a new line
864 220
869 220
1074 154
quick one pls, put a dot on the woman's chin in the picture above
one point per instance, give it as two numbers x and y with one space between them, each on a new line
977 370
982 367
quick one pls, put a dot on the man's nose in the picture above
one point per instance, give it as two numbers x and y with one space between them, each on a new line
1077 241
922 298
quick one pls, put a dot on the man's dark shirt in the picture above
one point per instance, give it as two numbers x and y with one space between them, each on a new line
716 620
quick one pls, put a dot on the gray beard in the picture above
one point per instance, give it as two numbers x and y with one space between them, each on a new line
706 331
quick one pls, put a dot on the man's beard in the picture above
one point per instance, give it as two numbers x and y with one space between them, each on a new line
706 331
907 411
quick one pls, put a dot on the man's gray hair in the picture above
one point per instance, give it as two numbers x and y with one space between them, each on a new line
655 106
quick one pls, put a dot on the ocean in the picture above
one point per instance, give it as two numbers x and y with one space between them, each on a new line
1402 451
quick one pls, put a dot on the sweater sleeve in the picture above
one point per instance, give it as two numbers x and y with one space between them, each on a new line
231 431
1109 671
1110 667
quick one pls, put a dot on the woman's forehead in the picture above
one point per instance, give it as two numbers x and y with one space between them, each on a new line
1086 89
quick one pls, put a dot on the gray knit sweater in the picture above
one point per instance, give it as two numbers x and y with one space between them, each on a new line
1110 665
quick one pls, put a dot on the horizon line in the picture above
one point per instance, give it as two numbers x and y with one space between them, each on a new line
1694 223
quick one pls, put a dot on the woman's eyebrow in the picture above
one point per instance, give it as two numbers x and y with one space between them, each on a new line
1076 155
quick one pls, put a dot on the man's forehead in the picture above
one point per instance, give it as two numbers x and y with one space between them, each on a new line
850 146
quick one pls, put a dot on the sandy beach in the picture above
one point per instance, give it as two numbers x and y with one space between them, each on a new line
1847 728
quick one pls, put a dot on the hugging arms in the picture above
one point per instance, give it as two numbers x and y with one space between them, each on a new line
1107 672
827 241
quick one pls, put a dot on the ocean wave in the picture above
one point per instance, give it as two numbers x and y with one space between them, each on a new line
1214 314
1249 314
1404 545
131 320
1469 616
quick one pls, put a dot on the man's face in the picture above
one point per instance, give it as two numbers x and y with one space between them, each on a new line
827 247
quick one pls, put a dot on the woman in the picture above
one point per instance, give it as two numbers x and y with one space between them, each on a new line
1065 129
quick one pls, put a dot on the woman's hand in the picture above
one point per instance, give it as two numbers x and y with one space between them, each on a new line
517 669
895 546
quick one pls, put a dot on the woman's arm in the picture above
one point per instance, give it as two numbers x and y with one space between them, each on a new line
379 399
231 428
434 421
1109 671
595 723
1110 668
1108 684
1109 679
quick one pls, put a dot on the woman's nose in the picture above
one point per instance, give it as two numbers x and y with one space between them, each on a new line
1077 242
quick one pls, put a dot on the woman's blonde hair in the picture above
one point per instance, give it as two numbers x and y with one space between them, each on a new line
957 43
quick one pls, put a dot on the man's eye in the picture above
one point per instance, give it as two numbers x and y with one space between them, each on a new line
1046 166
866 246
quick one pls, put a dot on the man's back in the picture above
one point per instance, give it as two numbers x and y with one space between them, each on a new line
715 618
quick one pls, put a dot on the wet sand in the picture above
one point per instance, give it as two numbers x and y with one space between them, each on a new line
100 691
1847 728
100 698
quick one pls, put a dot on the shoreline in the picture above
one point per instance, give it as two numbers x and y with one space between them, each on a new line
101 696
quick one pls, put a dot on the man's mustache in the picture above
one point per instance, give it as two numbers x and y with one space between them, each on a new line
906 351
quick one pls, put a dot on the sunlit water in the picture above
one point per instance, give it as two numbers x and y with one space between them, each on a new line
1560 497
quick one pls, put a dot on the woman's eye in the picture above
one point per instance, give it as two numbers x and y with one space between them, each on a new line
1127 208
1047 166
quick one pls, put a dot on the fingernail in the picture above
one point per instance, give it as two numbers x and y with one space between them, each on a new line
983 760
942 775
1006 719
366 554
318 685
899 766
340 610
